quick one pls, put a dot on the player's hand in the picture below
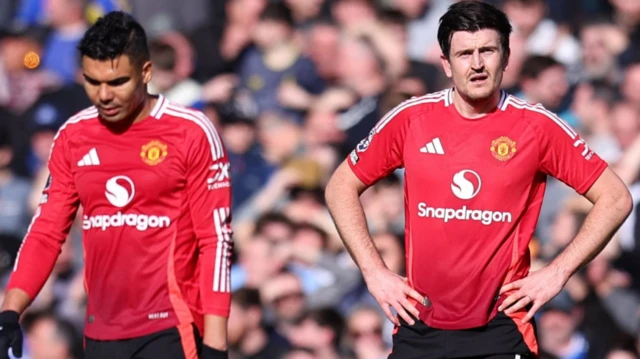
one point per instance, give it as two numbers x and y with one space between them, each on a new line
392 290
536 289
10 334
211 353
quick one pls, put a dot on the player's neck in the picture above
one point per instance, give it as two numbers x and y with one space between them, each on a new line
145 108
475 109
138 115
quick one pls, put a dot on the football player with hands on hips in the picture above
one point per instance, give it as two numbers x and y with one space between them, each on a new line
475 160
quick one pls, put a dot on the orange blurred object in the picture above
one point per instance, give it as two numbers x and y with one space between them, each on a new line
31 60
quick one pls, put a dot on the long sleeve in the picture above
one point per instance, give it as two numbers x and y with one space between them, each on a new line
50 224
209 193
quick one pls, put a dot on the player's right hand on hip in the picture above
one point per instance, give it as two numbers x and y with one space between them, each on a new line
10 334
392 290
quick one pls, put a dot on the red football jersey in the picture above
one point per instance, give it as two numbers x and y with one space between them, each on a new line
473 192
156 221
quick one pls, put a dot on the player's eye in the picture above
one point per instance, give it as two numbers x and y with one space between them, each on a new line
119 82
92 81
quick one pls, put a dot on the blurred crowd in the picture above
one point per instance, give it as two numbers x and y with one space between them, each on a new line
293 86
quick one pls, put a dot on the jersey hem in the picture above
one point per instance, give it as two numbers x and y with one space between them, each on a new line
461 324
593 178
356 171
221 312
124 334
445 325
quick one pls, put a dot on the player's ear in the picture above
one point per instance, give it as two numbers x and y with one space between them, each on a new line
505 59
147 72
446 65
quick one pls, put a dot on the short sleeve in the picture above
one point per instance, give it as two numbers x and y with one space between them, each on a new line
381 152
564 154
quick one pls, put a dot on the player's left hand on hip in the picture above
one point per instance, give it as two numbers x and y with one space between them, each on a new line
536 290
211 353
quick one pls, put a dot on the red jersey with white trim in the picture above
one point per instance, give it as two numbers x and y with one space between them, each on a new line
473 192
156 221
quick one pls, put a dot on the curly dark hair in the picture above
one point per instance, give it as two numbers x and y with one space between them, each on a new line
473 16
115 34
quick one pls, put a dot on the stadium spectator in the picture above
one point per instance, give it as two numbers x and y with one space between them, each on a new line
247 336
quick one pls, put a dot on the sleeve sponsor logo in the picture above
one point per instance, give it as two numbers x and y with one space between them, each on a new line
366 142
354 157
220 177
48 184
587 153
45 197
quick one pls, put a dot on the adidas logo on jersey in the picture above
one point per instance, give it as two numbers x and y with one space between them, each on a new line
433 147
90 159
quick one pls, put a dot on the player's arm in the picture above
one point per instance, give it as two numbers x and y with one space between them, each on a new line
612 204
564 155
40 249
373 159
343 200
209 195
48 230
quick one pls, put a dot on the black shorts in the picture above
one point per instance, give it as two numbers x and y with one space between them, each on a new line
173 343
502 338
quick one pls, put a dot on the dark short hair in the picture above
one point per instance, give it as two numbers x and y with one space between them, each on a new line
393 16
247 298
277 12
306 226
470 15
534 65
272 218
525 2
327 318
162 55
115 34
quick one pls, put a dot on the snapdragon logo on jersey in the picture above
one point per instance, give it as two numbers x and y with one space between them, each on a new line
120 191
465 185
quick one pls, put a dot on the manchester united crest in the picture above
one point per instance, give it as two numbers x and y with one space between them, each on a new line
503 148
153 152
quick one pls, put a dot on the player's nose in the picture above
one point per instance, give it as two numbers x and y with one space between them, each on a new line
105 94
476 61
